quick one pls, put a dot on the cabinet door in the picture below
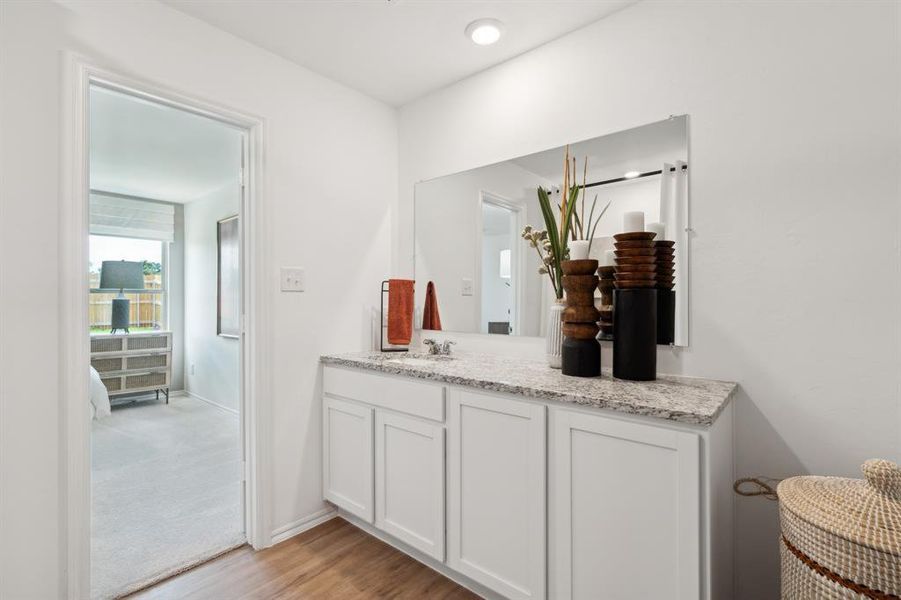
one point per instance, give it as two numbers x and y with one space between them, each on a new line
626 509
409 481
496 493
347 456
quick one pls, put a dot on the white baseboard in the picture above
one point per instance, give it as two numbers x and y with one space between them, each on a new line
191 394
299 526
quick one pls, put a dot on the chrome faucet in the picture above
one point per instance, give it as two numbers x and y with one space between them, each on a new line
439 348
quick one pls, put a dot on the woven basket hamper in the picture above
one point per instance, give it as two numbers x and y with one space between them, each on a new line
841 538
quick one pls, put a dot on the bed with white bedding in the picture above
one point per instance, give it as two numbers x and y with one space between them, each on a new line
99 397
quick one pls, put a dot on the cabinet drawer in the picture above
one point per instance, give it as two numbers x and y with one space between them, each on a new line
148 379
149 342
108 364
424 400
113 384
107 344
147 362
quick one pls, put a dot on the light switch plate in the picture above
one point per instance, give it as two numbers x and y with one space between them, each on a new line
294 279
466 287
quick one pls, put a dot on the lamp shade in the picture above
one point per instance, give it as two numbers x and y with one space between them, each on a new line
121 275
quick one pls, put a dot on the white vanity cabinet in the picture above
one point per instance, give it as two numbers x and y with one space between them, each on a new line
626 513
497 491
384 454
525 498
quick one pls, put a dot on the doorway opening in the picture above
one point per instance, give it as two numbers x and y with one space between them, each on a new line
165 321
500 265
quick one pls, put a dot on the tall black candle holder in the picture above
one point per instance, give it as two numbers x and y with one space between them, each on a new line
635 306
635 334
666 297
666 316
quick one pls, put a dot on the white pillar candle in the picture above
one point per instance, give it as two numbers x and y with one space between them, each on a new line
578 249
658 228
609 258
633 221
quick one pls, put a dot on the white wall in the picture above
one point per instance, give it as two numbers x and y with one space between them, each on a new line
211 362
334 225
794 193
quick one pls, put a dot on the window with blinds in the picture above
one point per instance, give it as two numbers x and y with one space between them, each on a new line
121 216
132 229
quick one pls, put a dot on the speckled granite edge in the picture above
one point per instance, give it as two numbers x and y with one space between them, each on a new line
675 398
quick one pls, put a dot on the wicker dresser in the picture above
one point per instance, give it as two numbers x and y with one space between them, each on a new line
135 362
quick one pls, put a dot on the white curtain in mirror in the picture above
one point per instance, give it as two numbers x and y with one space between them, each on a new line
674 215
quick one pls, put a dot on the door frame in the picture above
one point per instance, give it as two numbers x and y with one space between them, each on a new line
516 255
74 350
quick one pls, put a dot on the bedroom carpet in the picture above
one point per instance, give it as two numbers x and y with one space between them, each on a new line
166 491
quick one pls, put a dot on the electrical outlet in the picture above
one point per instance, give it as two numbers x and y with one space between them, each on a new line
294 279
466 287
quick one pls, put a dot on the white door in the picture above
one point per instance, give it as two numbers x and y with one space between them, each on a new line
347 464
626 509
409 481
496 493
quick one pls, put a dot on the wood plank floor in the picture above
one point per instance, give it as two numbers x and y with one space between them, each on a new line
333 560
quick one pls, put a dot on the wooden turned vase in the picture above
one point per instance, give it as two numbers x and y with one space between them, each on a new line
666 295
606 286
581 350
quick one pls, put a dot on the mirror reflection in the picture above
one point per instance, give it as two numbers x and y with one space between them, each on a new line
468 236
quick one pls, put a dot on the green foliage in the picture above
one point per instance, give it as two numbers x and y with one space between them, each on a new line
558 234
554 238
552 245
152 268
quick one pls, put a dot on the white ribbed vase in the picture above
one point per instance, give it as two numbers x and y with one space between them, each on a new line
554 338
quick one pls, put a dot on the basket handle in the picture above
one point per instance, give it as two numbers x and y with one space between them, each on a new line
884 476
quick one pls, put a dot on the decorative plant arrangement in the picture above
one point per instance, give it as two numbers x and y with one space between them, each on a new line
567 235
553 243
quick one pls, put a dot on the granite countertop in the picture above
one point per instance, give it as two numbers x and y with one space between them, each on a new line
671 397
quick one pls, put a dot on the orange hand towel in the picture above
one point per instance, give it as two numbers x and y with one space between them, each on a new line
431 319
400 311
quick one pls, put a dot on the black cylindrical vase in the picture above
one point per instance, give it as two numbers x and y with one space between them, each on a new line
666 316
635 334
581 358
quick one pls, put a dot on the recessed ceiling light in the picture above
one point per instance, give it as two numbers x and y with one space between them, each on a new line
484 32
631 174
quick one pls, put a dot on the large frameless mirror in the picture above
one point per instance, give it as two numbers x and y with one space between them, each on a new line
468 225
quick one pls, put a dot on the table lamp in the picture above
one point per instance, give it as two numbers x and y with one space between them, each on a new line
121 275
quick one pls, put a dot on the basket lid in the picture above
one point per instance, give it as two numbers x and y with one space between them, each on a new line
866 512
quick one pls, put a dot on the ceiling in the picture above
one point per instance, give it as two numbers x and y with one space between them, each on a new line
395 50
141 148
